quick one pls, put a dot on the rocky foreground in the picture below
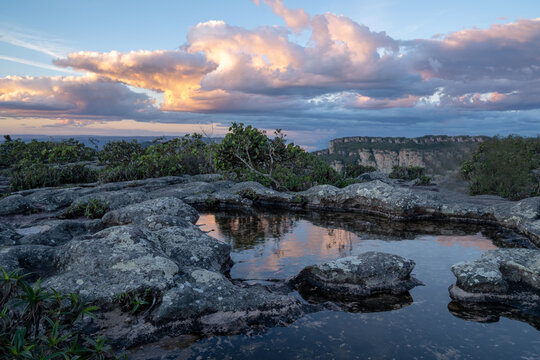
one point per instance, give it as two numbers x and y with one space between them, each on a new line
147 246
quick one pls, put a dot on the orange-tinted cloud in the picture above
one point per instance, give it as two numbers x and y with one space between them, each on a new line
69 96
344 67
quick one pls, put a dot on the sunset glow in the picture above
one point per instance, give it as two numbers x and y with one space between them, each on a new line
322 71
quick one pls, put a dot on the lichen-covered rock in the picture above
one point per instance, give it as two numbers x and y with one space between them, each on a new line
136 213
364 275
113 261
256 192
36 259
188 246
505 276
57 232
218 306
8 236
13 204
113 199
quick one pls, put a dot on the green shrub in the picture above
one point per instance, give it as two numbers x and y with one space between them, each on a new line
44 152
406 172
137 303
353 170
74 211
29 175
504 166
95 209
123 152
36 323
129 161
422 180
247 153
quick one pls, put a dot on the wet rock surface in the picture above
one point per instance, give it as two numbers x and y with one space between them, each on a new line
355 277
503 282
148 242
503 276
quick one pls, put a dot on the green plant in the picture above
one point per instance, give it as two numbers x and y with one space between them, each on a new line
422 180
37 323
352 170
29 175
130 161
406 172
247 153
505 166
248 193
123 152
13 152
300 200
136 303
95 209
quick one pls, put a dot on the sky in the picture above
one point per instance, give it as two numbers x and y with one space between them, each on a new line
316 69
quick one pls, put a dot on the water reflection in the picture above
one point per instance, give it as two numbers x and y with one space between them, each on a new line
277 245
422 325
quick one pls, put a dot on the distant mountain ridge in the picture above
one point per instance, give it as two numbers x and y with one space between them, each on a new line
436 153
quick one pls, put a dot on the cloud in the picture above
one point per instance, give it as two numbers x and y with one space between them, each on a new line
71 96
35 63
296 19
345 74
33 40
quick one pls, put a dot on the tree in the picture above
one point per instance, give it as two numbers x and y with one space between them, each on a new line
504 167
250 154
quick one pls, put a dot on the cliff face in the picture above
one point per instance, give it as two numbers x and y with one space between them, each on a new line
435 153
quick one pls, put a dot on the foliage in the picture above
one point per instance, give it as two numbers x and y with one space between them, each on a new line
95 209
130 161
44 152
406 172
422 180
352 170
137 303
123 152
247 153
46 163
505 166
28 175
74 211
36 323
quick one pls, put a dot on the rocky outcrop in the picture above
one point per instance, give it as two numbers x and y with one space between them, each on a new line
354 277
504 282
505 276
435 153
148 243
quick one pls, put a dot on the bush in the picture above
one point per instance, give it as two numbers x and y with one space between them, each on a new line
406 173
123 152
36 323
422 180
247 153
29 175
504 166
352 170
44 152
95 209
129 161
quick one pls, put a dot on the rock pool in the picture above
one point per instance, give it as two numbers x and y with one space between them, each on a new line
269 246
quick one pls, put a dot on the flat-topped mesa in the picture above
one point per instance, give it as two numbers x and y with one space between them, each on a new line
436 153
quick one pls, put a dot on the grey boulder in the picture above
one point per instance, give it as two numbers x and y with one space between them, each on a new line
504 276
370 273
137 213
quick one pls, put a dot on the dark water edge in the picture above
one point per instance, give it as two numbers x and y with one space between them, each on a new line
427 325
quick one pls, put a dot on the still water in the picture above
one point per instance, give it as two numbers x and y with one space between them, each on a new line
278 245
